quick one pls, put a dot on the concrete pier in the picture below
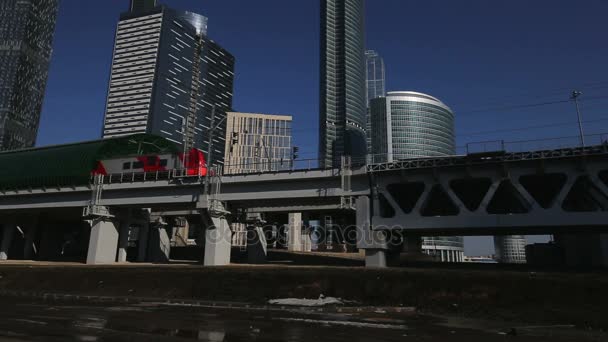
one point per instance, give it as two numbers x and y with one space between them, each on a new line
159 243
295 232
123 238
103 242
218 242
7 238
257 246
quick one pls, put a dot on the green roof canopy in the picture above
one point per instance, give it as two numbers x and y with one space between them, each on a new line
71 164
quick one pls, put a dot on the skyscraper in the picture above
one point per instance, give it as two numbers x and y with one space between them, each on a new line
342 82
168 78
376 78
26 37
408 124
376 87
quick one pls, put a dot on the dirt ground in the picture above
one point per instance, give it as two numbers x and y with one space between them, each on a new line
571 298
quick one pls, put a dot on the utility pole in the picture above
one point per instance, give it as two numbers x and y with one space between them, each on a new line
575 95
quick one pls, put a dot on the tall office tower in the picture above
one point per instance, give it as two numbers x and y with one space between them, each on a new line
510 249
257 143
376 87
342 82
412 125
169 79
27 28
376 75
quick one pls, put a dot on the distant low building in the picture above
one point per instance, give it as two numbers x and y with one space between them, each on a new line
257 143
480 259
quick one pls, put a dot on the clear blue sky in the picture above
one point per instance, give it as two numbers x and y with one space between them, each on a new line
478 56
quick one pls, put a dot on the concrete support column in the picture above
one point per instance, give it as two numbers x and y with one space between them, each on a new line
159 242
7 239
295 232
218 243
373 242
103 242
375 258
142 242
123 239
256 245
450 256
442 255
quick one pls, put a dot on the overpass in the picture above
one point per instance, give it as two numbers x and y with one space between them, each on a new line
536 192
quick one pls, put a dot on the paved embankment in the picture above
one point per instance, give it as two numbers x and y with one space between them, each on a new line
533 298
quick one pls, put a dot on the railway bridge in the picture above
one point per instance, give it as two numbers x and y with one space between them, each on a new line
536 192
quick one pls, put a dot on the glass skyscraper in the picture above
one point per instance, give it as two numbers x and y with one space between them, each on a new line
342 81
168 78
408 124
376 77
376 87
411 125
26 36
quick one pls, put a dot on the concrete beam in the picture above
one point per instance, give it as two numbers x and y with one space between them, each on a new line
103 242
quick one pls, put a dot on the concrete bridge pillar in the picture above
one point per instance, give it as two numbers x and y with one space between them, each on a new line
374 243
7 239
103 241
142 242
159 242
295 232
123 236
218 243
257 245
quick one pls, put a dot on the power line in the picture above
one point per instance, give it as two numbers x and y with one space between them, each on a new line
528 128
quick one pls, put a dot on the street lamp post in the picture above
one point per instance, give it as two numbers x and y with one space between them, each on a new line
574 97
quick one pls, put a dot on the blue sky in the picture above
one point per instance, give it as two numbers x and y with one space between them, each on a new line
480 57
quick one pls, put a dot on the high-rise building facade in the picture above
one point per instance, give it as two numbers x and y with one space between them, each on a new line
257 143
510 249
376 87
376 75
342 81
408 124
168 78
26 37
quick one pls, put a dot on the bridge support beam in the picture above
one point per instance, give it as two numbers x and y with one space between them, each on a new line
374 243
7 239
103 242
30 249
257 245
218 242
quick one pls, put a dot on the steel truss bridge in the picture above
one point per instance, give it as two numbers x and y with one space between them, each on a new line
538 192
